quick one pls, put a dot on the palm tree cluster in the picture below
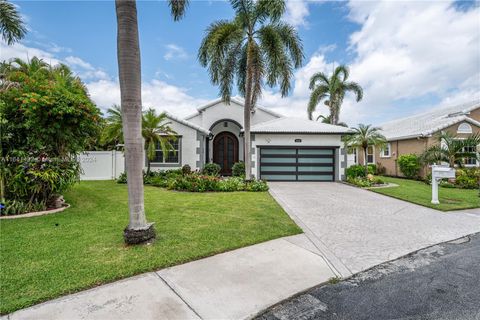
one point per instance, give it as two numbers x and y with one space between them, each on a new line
332 91
452 150
12 27
253 48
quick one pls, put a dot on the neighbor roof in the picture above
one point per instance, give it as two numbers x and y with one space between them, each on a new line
426 124
187 123
297 125
236 100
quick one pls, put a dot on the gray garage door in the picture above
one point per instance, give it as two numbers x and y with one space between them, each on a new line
297 164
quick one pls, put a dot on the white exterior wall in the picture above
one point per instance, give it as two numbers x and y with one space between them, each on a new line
233 111
288 139
101 165
188 148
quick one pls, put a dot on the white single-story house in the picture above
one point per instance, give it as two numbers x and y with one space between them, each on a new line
283 148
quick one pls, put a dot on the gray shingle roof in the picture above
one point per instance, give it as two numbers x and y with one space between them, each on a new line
297 125
426 124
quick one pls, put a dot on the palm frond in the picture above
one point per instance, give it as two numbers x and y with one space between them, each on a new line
178 8
12 27
269 9
321 92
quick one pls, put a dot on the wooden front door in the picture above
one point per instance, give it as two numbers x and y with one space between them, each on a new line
225 151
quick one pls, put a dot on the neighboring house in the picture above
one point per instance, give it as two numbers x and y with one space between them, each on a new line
283 149
416 133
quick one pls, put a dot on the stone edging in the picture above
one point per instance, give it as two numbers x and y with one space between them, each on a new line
35 214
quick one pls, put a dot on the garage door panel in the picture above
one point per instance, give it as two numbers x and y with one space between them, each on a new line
297 164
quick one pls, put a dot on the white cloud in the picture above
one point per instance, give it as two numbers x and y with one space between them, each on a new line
405 52
155 94
77 62
414 49
175 52
19 50
297 12
295 105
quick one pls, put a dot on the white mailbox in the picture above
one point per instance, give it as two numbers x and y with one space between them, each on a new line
438 173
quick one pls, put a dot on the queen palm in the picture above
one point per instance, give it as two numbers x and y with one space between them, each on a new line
332 91
12 27
363 137
452 149
156 130
113 131
253 48
128 51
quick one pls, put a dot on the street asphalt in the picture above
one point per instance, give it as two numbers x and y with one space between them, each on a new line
440 282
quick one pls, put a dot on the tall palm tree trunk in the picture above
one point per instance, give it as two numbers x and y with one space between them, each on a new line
128 51
247 114
365 158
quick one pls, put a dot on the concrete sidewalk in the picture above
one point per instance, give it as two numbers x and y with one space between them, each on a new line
233 285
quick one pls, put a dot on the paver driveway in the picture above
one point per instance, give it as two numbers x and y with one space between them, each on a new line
357 229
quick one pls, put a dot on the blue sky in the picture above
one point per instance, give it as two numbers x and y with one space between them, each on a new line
398 52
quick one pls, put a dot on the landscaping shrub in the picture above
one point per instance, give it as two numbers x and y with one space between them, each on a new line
409 165
231 184
211 169
34 183
358 170
122 178
257 186
360 181
186 169
467 178
238 169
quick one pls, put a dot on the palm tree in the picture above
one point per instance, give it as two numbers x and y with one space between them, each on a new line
12 27
452 149
328 120
156 130
128 51
255 47
332 89
363 137
113 131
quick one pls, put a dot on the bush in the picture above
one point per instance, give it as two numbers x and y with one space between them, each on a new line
360 181
231 184
257 186
33 183
194 183
122 178
358 170
211 169
238 169
409 165
467 178
186 169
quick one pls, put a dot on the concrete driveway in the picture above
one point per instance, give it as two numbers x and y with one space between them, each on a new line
355 229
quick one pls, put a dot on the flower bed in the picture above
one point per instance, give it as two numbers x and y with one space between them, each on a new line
180 180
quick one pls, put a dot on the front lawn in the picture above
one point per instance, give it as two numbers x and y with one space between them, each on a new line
420 193
48 256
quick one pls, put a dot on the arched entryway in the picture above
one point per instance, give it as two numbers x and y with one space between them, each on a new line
225 151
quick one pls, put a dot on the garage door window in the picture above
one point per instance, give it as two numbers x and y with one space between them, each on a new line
297 164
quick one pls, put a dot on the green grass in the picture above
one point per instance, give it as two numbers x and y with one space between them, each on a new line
420 193
48 256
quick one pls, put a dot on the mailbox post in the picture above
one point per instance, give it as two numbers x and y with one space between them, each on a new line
438 173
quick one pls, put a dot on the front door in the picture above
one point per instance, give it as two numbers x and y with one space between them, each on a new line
225 151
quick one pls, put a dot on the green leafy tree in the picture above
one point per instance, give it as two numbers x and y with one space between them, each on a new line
452 149
253 48
332 91
128 51
47 117
364 136
156 130
12 27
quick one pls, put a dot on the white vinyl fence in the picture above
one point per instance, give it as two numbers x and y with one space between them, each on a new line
101 165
